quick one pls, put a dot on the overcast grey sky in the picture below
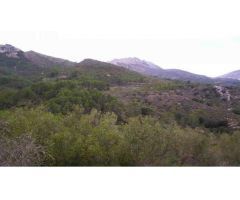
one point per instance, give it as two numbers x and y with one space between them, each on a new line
199 36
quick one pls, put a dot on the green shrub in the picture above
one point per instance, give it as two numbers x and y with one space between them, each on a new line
38 137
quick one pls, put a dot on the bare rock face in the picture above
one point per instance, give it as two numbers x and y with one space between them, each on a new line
9 50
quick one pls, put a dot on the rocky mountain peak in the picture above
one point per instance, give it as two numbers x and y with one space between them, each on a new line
133 61
9 50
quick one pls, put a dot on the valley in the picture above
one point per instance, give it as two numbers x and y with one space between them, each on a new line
127 112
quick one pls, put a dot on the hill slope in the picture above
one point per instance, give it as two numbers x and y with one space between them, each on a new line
232 75
47 61
138 65
101 114
147 68
107 72
14 61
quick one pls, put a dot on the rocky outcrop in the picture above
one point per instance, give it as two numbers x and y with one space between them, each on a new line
9 50
223 92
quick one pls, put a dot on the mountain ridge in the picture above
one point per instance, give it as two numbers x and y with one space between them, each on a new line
14 59
148 68
232 75
47 61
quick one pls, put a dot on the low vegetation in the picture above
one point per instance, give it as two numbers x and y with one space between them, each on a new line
97 114
38 137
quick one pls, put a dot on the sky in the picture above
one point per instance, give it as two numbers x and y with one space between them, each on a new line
198 36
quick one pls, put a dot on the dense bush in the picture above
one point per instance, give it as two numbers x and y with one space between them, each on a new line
101 116
37 137
62 96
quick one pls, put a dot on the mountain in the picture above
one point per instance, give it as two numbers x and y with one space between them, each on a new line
140 66
47 61
232 75
10 51
14 61
30 64
148 68
107 72
101 114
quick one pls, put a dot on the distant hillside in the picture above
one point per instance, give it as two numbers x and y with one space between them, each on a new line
148 68
232 75
94 113
47 61
14 61
138 65
33 65
10 51
107 72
